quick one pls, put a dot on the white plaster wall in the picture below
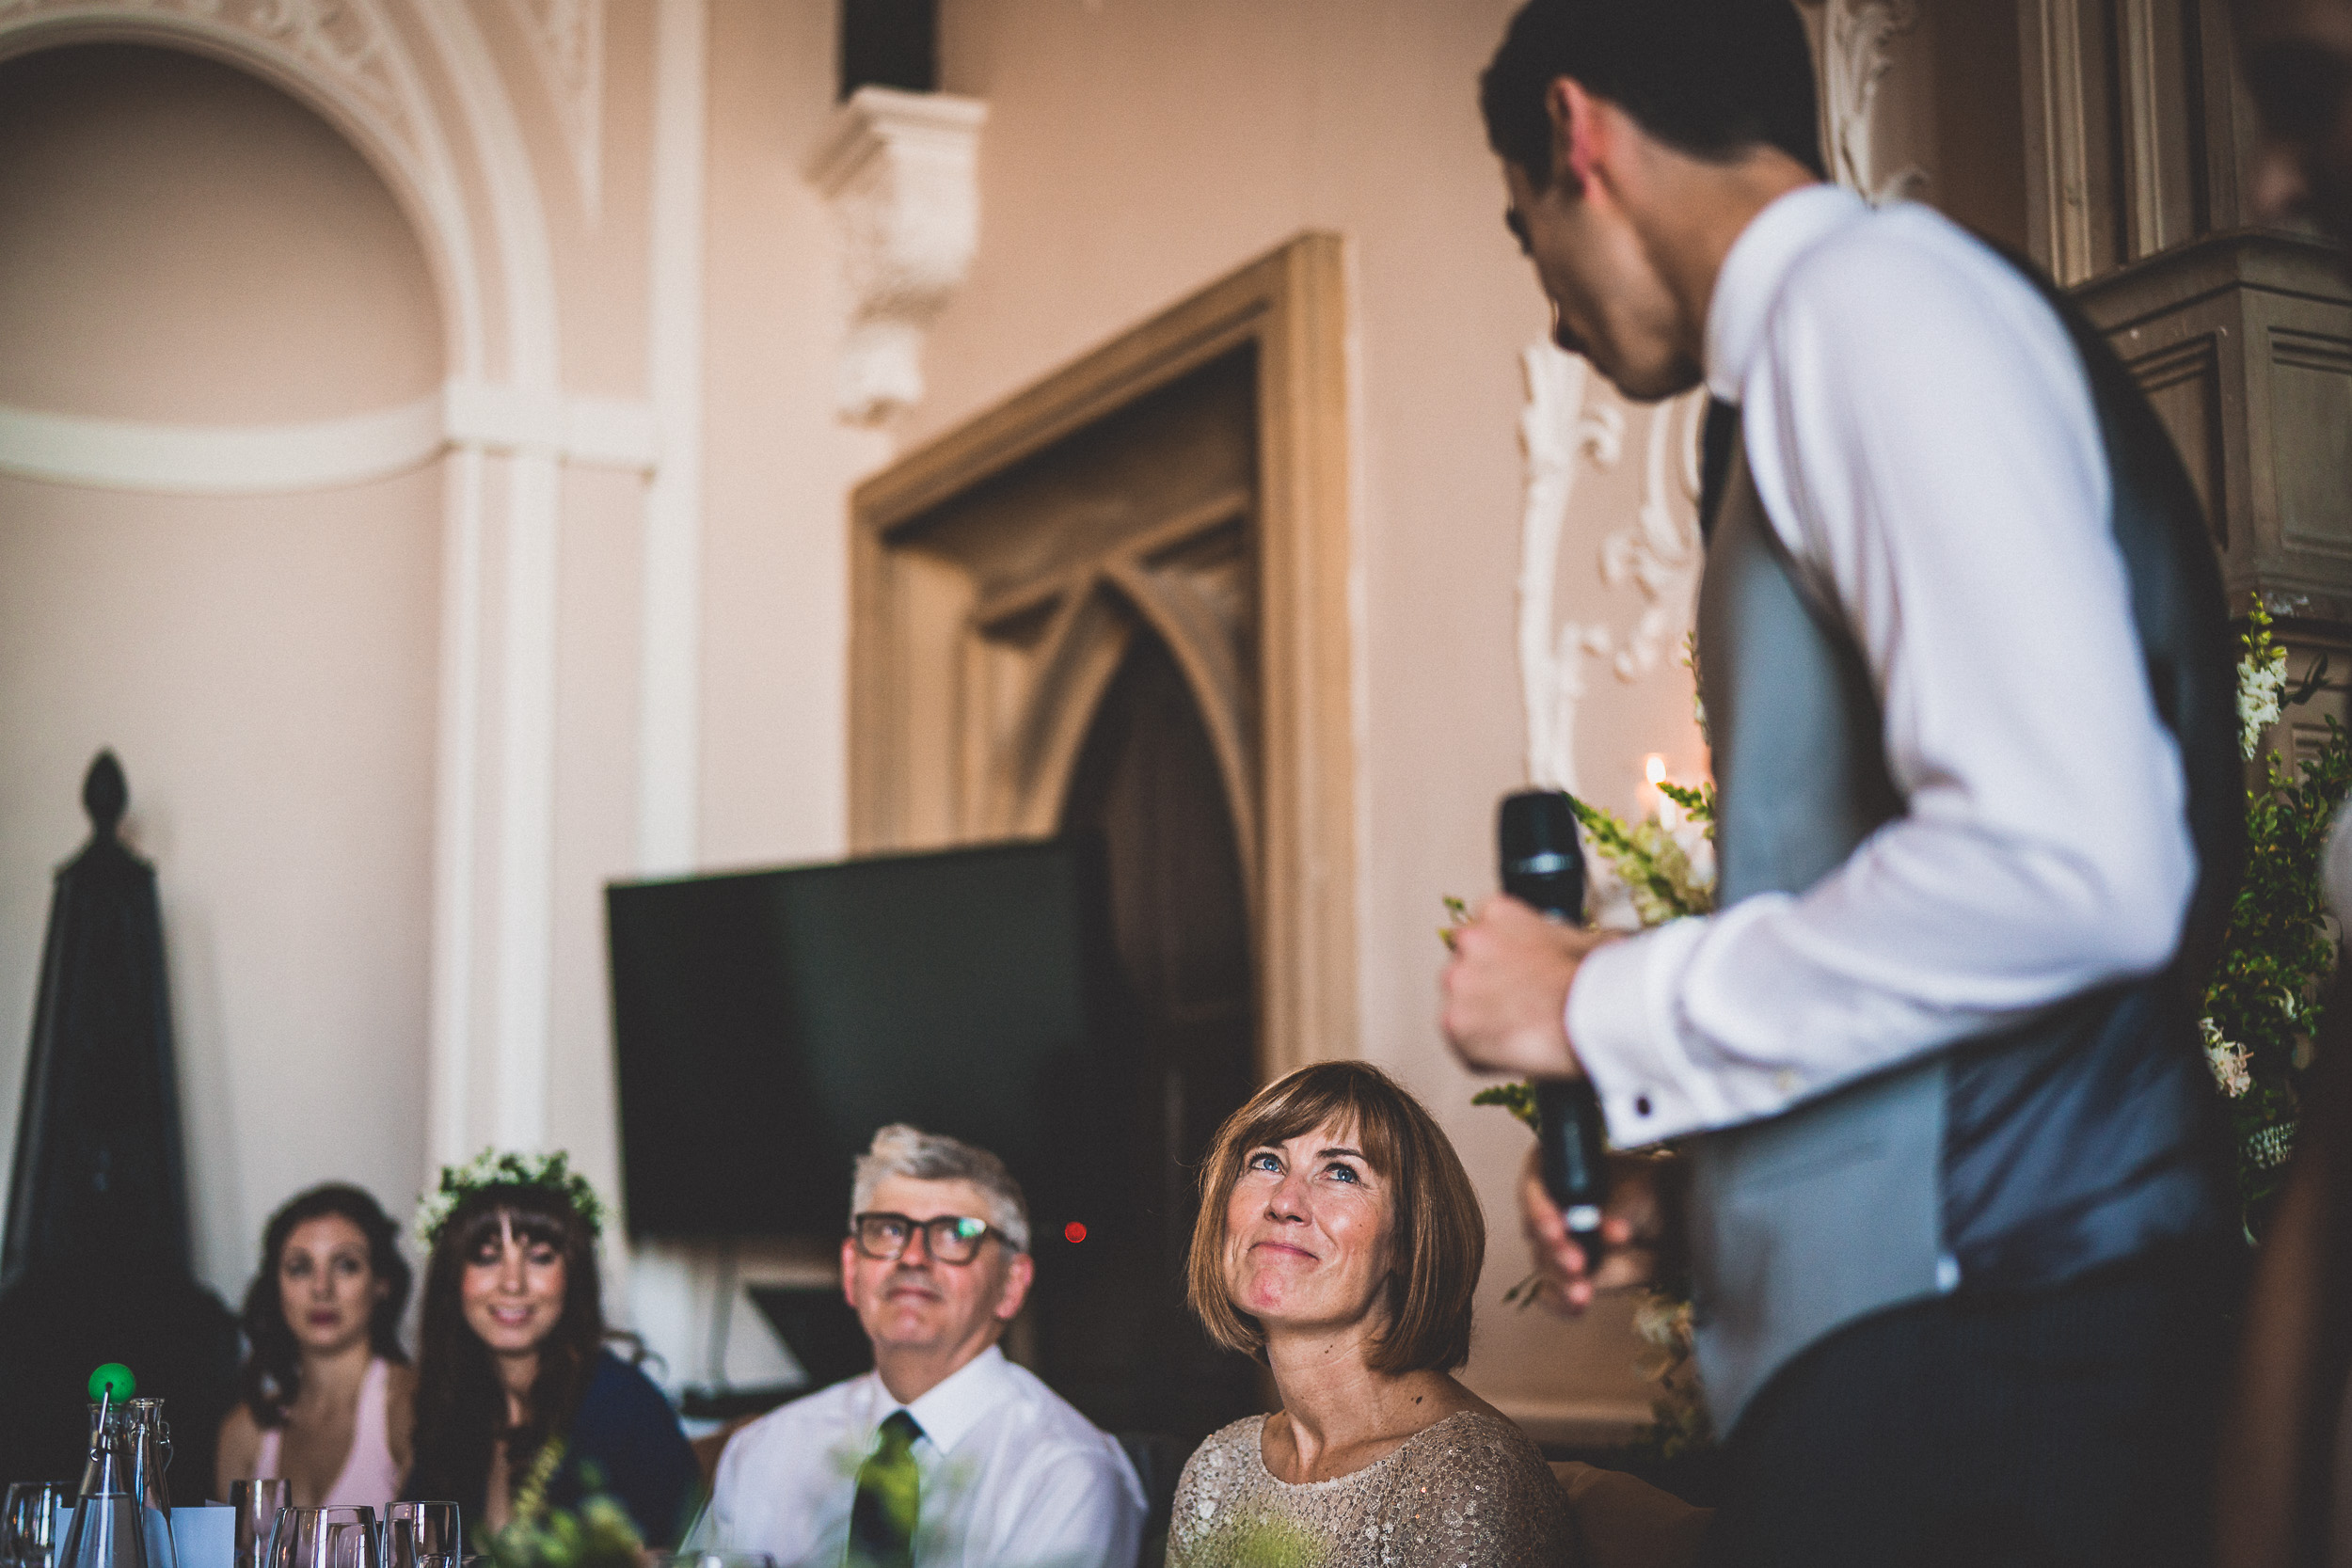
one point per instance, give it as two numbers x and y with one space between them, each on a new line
180 242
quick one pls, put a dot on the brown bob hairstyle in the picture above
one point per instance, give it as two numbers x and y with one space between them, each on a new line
1437 1232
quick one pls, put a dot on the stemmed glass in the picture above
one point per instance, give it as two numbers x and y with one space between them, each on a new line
28 1530
333 1537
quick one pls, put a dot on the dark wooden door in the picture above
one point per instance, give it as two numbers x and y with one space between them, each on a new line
1118 1338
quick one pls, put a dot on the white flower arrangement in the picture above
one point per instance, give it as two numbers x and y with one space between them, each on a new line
2261 684
2232 1069
493 1168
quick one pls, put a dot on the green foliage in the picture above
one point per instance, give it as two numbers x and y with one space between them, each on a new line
1651 861
1697 805
2264 999
1518 1099
1664 885
596 1534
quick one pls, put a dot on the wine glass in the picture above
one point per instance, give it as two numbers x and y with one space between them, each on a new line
28 1530
257 1503
337 1536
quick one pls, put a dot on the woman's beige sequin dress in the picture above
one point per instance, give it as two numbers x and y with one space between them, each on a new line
1469 1492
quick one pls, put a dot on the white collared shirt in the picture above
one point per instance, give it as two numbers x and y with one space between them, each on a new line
1920 430
1012 1477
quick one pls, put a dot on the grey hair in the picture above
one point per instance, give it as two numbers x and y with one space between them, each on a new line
901 1151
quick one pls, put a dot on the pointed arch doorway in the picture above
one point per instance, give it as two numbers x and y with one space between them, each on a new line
1118 603
1147 787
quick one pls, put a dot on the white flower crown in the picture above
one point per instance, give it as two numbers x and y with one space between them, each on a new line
491 1168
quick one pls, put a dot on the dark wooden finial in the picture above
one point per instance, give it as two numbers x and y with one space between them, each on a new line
104 794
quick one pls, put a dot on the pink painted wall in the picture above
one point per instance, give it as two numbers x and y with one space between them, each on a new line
1135 151
180 243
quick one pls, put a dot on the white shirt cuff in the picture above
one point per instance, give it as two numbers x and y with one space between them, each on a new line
1620 1020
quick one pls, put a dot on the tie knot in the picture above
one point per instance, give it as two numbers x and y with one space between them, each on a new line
899 1432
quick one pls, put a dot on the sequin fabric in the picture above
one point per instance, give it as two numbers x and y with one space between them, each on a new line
1469 1492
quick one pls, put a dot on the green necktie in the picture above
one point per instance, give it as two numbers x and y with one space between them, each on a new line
881 1520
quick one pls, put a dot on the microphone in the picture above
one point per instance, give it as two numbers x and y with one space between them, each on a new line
1543 866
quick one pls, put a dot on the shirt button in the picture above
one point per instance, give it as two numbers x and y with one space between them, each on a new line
1640 1104
1786 1081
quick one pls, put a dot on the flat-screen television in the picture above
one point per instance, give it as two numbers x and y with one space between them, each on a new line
767 1023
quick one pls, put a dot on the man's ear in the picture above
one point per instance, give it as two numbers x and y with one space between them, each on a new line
1017 1276
848 1270
1578 134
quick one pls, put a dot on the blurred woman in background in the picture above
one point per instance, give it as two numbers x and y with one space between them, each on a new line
324 1396
517 1395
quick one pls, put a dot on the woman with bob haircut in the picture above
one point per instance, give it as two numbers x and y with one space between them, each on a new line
1340 1242
515 1390
323 1396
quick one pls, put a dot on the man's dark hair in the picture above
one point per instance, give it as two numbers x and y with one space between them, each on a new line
1711 78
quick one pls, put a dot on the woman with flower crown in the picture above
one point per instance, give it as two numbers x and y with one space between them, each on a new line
517 1393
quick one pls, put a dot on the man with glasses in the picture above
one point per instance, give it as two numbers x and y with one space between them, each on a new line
945 1452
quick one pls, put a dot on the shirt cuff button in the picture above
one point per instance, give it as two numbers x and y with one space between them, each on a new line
1640 1104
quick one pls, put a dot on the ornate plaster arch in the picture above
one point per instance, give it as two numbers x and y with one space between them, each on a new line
343 60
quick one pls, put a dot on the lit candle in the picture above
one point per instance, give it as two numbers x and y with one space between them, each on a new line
1654 770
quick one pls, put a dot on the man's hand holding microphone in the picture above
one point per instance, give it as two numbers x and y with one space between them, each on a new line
1505 1010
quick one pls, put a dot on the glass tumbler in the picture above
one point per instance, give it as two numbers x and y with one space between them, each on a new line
257 1503
413 1531
332 1537
37 1511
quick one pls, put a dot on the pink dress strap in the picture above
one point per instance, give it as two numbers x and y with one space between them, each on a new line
370 1477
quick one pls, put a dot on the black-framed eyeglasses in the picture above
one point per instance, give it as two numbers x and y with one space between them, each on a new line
949 1238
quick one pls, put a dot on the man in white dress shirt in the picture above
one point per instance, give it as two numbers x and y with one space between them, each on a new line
946 1454
1956 1202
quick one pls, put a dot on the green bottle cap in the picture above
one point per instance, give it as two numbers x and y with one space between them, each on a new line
113 1378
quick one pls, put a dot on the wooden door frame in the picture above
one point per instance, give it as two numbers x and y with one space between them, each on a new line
1292 306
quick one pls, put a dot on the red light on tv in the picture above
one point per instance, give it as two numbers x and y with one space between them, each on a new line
1073 1232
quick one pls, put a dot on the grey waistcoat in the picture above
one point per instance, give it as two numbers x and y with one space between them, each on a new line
2021 1159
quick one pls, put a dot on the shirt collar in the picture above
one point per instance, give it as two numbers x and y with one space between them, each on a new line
952 1409
1753 270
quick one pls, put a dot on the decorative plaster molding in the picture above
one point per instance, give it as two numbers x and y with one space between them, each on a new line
588 431
669 705
900 171
324 455
568 45
1856 41
1555 430
219 460
1570 419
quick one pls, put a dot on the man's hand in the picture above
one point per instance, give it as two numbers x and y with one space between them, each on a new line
1632 1227
1506 990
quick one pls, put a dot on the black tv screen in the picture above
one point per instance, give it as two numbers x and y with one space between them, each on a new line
767 1023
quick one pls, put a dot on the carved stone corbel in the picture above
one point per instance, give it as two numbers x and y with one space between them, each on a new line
1854 47
900 172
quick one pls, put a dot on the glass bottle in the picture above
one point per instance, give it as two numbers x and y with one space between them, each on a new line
150 1449
108 1528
